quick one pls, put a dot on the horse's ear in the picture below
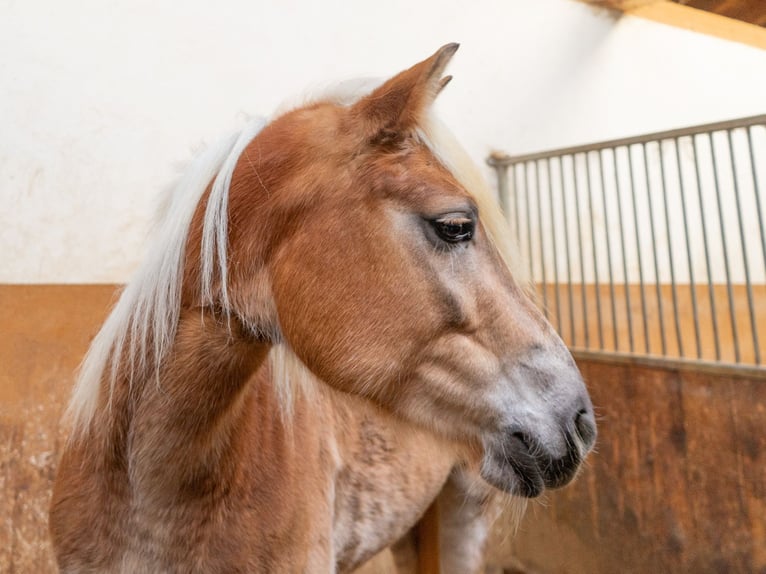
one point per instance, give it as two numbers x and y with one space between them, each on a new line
399 103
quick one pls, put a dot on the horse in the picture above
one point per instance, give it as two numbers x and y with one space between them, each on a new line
331 324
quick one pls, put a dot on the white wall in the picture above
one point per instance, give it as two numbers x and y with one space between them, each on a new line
100 100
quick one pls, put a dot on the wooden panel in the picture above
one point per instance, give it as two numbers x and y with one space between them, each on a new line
45 332
750 11
703 22
428 541
678 483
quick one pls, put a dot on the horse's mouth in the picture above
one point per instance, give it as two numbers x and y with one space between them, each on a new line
521 467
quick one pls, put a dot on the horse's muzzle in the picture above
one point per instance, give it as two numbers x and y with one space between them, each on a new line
522 465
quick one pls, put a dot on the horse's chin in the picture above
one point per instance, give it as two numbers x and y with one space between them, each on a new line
519 466
519 477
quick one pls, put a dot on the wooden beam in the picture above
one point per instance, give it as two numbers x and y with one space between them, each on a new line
703 22
621 5
751 11
711 17
428 541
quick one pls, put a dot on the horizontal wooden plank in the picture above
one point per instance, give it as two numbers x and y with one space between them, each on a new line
742 21
750 11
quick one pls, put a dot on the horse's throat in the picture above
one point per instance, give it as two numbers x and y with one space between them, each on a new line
184 423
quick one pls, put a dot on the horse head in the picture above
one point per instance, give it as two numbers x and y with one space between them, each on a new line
355 238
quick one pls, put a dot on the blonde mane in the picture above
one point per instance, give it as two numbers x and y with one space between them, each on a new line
143 323
141 327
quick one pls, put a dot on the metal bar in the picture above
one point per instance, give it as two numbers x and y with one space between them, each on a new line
496 159
732 315
647 345
595 259
660 313
555 249
578 219
502 187
757 191
538 187
564 208
527 195
517 180
516 207
673 291
612 297
624 251
711 289
692 283
746 263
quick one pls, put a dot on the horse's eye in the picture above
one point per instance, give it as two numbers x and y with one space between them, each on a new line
454 228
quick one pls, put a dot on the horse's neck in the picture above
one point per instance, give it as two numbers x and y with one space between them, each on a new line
388 472
185 418
206 441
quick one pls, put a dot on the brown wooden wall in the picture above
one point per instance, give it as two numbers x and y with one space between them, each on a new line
45 330
678 483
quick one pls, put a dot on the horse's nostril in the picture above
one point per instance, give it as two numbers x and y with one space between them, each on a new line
586 427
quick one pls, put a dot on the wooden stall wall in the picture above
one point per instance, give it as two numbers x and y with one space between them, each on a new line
678 482
45 330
